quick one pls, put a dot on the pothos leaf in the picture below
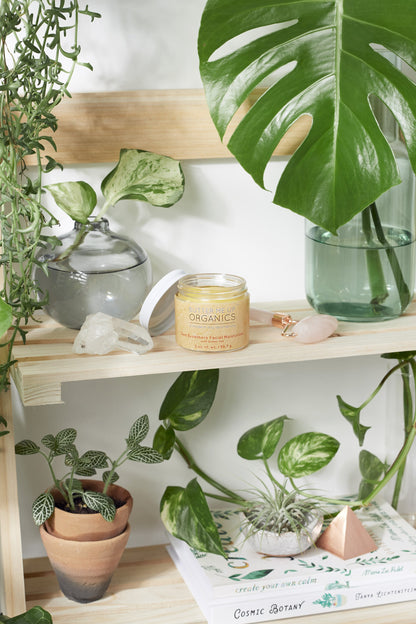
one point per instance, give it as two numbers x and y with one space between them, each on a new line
371 467
144 176
185 514
352 414
261 441
77 199
306 453
35 615
164 441
189 399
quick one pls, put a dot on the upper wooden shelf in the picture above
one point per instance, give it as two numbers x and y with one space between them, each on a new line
46 360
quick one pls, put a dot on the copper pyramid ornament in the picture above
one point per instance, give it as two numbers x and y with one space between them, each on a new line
346 537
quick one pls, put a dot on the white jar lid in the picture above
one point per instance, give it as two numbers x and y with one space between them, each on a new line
157 313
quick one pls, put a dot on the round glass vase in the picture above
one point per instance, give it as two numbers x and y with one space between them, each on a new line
93 270
367 271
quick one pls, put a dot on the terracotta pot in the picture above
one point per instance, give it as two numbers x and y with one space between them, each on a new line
84 569
87 527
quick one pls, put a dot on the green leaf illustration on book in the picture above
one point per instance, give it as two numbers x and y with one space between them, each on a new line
257 574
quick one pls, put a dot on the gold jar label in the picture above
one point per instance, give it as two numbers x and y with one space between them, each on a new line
220 325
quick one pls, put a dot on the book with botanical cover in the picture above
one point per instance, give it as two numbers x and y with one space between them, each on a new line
250 587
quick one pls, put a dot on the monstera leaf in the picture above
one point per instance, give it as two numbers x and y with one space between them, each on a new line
320 59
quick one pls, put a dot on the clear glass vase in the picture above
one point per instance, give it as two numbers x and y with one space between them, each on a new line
367 271
94 270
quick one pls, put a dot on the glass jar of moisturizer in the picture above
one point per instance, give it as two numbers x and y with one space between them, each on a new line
212 312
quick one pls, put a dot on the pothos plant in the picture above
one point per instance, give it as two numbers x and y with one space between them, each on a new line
185 511
39 50
35 615
139 175
86 464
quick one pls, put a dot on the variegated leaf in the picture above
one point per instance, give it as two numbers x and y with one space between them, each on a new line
189 399
94 459
49 441
261 441
371 467
138 430
65 439
306 453
145 454
77 199
186 515
42 508
164 441
26 447
352 414
144 176
114 477
101 503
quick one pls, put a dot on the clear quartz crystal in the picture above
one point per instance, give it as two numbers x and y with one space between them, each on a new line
101 333
94 270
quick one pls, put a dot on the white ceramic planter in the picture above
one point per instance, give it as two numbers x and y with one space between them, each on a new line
285 544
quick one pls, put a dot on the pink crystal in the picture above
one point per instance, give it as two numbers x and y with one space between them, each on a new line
315 328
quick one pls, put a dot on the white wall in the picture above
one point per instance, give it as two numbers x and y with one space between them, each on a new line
223 223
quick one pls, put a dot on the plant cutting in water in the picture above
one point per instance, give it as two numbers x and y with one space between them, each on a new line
85 465
185 511
334 63
139 175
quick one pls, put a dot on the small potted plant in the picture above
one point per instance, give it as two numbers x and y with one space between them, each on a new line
278 522
92 269
84 522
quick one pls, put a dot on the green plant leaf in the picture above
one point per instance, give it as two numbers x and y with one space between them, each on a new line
114 477
94 459
189 399
42 508
138 430
365 489
97 501
318 59
85 471
186 515
49 441
371 467
306 453
144 176
64 440
352 414
26 447
399 355
6 316
145 454
77 199
261 441
35 615
164 441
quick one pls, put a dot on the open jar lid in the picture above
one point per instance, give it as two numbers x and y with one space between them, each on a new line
157 313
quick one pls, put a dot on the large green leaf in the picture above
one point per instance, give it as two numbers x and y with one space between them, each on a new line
189 399
185 514
306 453
261 441
77 199
319 59
144 176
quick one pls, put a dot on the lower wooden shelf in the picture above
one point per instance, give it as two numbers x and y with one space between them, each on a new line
148 588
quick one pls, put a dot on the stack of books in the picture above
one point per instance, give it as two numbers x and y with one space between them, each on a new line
250 587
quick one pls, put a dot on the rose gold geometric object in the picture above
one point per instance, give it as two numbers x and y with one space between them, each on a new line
346 536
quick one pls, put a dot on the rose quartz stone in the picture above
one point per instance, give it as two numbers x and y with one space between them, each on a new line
315 328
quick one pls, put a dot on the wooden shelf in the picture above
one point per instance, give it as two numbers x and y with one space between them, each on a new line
147 588
46 360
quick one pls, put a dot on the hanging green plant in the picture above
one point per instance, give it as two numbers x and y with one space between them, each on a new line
39 51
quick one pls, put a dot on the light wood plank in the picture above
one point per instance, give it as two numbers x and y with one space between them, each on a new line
12 580
147 588
47 360
93 127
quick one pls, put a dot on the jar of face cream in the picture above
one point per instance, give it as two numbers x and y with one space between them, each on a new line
212 312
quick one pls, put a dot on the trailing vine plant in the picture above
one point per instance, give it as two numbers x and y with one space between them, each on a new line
185 511
39 51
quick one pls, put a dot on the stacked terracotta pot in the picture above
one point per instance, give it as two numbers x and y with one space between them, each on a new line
84 549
